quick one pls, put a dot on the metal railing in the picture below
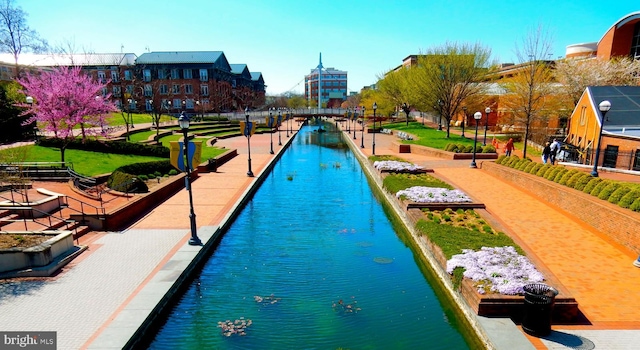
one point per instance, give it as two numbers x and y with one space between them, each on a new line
46 217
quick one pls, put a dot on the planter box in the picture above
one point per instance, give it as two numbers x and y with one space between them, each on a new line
39 255
433 152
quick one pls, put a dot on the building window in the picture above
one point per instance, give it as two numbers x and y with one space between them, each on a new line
204 90
146 74
233 83
104 91
148 90
583 115
115 76
175 88
189 104
164 89
102 78
188 89
204 75
130 90
116 91
177 103
187 73
119 104
175 73
635 42
148 104
128 75
162 74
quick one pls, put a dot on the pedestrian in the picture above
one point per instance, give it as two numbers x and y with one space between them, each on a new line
636 263
555 149
495 143
546 152
509 147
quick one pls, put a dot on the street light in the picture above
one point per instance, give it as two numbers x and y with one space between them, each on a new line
477 116
464 110
270 125
486 125
407 110
29 101
362 135
349 120
373 145
440 105
183 121
278 126
355 117
286 119
604 107
248 132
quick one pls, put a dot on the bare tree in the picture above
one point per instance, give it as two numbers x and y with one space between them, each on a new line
529 90
15 34
447 75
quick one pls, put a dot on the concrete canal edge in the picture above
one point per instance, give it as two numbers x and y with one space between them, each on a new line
493 333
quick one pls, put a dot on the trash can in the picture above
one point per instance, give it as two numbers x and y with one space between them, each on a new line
213 165
538 304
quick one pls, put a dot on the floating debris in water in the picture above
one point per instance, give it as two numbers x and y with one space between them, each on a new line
383 260
238 327
271 299
343 308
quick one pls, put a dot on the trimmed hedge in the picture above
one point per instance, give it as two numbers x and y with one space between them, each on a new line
617 195
117 147
128 183
627 199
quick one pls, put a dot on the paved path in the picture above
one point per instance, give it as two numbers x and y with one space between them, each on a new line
88 295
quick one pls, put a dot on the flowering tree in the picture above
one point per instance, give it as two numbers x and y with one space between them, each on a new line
64 99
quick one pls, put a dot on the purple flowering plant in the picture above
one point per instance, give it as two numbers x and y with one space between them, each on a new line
422 194
496 269
395 166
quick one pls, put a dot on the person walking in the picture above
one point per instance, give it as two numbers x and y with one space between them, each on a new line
509 147
555 149
546 152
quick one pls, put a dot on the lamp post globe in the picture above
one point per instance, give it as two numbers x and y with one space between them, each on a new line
486 125
477 116
604 107
183 122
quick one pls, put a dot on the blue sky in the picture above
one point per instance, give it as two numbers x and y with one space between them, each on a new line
282 39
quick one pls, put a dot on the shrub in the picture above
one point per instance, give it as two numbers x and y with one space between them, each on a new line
599 187
123 182
534 169
157 173
627 199
150 176
568 175
143 177
591 184
173 172
489 149
581 181
635 206
162 166
523 164
560 174
543 169
513 161
117 147
529 166
616 196
608 190
451 147
468 149
501 159
551 174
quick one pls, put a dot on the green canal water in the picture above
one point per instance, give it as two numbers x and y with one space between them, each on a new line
313 262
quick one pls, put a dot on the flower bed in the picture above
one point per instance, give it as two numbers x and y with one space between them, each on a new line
397 166
421 194
496 270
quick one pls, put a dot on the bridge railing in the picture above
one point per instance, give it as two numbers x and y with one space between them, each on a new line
297 112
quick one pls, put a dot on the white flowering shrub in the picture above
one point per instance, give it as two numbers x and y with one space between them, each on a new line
395 166
498 269
422 194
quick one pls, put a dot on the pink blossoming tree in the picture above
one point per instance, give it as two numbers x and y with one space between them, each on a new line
64 100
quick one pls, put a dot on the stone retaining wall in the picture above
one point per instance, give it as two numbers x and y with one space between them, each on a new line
622 225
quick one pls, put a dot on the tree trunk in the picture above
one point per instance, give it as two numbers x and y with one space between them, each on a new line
526 138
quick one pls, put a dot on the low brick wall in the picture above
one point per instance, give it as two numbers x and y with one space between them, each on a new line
433 152
622 225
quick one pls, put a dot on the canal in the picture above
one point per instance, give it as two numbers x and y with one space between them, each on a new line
313 262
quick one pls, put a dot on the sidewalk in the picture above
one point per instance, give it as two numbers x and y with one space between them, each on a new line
100 293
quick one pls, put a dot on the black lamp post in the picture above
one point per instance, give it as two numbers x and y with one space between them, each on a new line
362 135
183 121
129 114
286 120
248 134
278 125
604 107
349 121
477 116
373 144
464 110
270 125
486 125
355 118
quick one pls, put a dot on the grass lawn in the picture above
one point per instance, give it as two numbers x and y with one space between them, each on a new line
429 137
116 119
207 152
397 182
84 162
